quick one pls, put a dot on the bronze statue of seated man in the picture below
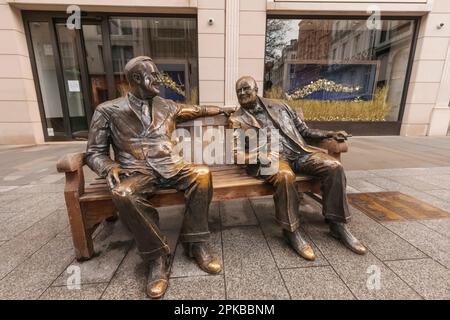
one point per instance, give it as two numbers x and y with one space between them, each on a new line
295 156
139 127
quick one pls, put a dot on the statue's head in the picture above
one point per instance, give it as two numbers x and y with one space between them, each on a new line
246 91
143 76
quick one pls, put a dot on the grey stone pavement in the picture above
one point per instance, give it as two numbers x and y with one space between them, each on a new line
411 257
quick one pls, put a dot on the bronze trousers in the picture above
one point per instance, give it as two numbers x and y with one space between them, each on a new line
131 197
333 186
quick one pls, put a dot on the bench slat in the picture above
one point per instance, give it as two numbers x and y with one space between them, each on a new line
221 185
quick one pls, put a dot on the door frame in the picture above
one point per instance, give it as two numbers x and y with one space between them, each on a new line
54 18
101 18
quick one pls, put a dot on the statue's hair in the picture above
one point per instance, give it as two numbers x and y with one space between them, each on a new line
133 64
247 78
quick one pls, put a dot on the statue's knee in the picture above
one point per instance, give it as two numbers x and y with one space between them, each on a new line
122 192
334 166
286 175
203 175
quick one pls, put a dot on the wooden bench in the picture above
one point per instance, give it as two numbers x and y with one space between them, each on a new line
88 204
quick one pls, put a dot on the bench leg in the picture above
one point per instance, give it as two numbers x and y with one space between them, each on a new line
82 238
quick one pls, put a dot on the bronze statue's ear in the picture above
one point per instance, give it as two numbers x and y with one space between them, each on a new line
136 77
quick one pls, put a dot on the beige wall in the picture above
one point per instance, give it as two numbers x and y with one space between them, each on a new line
426 110
211 51
19 112
252 30
229 48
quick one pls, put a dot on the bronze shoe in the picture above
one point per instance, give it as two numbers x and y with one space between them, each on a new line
202 254
340 231
299 244
158 277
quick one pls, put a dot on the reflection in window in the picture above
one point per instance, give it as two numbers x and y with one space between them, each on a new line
170 42
48 83
338 69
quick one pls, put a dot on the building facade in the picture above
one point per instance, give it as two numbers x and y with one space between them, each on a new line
370 67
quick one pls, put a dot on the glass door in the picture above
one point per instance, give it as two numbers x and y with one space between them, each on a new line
45 55
97 78
69 72
72 77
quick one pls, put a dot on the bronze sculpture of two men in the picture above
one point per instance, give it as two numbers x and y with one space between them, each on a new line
139 128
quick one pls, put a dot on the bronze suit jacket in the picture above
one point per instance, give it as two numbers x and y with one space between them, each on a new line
137 148
285 120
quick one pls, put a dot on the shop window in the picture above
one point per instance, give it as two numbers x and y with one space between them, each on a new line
342 71
170 42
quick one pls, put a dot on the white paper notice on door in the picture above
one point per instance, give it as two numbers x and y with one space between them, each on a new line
48 50
74 85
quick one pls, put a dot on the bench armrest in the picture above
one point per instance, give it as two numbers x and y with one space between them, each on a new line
334 148
71 162
331 145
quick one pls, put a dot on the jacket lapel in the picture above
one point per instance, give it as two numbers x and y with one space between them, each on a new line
244 117
274 113
160 113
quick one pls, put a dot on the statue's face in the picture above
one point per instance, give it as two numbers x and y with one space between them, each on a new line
246 91
147 79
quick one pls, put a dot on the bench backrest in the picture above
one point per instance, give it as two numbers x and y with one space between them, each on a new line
209 129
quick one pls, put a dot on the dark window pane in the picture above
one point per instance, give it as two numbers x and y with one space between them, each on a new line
170 42
45 64
72 77
93 44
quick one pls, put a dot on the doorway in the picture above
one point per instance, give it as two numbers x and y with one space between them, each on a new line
75 70
71 76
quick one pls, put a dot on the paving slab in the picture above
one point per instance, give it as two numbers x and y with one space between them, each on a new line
39 188
284 255
7 188
111 245
24 245
382 242
442 194
45 202
34 275
352 190
237 212
441 226
440 180
85 292
196 288
130 279
425 239
183 266
414 183
405 172
363 185
250 270
359 174
356 271
430 279
6 199
18 222
316 283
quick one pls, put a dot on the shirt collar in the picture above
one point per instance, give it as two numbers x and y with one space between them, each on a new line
135 101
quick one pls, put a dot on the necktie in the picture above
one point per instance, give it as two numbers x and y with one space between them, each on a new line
257 109
146 115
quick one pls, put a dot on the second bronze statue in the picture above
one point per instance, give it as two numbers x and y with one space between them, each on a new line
295 156
139 127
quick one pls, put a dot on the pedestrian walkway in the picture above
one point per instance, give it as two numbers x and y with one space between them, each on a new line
407 259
